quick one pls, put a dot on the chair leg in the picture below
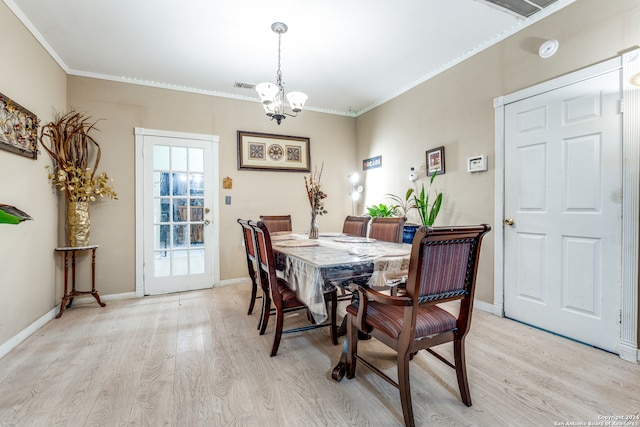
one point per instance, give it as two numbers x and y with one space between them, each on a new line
461 371
333 315
352 347
266 310
278 331
254 292
405 387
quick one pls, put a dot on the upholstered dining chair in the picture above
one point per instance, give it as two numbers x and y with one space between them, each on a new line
248 235
284 298
356 225
442 267
276 223
387 229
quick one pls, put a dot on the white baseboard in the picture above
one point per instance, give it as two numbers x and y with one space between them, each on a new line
14 341
484 306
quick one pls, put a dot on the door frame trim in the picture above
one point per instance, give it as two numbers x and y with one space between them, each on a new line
140 133
629 63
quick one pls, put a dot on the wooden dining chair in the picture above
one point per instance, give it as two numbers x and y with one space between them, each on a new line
387 229
276 223
284 298
249 237
356 225
443 267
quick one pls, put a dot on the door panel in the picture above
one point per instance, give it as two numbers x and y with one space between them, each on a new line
563 183
178 235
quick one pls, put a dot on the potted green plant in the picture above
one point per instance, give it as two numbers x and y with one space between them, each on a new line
381 210
420 202
427 211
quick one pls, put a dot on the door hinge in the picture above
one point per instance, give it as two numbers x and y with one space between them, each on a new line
620 316
621 105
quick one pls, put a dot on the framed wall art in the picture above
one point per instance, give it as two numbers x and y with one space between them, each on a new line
18 129
435 161
264 151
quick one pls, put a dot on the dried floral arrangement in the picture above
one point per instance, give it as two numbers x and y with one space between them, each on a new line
314 193
70 146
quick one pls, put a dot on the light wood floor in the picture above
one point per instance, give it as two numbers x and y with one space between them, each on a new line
196 359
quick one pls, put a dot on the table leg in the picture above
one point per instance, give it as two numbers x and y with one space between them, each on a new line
63 303
93 278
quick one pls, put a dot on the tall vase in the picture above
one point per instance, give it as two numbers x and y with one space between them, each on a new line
313 230
78 224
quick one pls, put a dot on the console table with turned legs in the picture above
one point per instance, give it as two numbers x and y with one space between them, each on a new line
68 296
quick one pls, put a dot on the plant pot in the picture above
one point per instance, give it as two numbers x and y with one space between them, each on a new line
408 232
78 224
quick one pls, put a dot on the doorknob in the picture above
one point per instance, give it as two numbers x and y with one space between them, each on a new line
207 222
509 221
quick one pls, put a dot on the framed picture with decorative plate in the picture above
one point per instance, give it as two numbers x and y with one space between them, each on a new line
265 151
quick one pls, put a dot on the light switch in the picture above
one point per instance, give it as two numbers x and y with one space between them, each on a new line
227 200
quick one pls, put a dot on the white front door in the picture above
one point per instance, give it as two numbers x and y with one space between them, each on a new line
178 215
563 191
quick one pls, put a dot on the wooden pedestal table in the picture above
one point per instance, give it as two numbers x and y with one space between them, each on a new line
68 296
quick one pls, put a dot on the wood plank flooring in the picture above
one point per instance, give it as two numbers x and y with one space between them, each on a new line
196 359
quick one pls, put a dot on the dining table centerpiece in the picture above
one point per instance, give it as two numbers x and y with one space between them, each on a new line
316 197
71 147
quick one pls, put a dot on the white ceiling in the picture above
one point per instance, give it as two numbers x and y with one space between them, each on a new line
347 55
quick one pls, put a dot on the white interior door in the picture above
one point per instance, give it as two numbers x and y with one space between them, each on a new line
179 236
563 191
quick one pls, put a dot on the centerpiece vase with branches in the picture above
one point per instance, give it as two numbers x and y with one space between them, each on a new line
316 196
71 148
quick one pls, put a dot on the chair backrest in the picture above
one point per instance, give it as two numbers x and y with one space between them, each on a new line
356 225
266 259
249 239
443 267
276 223
387 229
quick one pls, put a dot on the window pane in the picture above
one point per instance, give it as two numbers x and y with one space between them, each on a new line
161 210
196 184
179 236
161 184
179 210
197 235
162 264
180 263
161 157
179 158
197 209
196 160
196 261
179 184
161 240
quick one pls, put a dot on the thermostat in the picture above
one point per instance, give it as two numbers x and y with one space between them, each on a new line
477 163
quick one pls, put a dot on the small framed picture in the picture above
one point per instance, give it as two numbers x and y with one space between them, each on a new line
435 161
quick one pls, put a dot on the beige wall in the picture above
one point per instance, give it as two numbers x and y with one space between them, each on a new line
31 78
455 109
122 107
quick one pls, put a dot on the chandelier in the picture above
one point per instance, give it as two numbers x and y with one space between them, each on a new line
272 95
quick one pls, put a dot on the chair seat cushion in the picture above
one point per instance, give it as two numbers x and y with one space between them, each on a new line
388 319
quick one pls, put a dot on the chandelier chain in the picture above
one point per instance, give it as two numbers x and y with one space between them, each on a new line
279 80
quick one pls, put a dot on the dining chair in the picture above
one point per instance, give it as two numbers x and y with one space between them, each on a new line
387 229
442 267
248 235
284 298
356 225
276 223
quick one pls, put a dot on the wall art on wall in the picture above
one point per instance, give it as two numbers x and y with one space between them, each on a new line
435 161
372 163
264 151
18 129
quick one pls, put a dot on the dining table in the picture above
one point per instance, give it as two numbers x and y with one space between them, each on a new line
311 266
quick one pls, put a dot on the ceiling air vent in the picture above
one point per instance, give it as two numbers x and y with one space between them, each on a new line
519 8
244 85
